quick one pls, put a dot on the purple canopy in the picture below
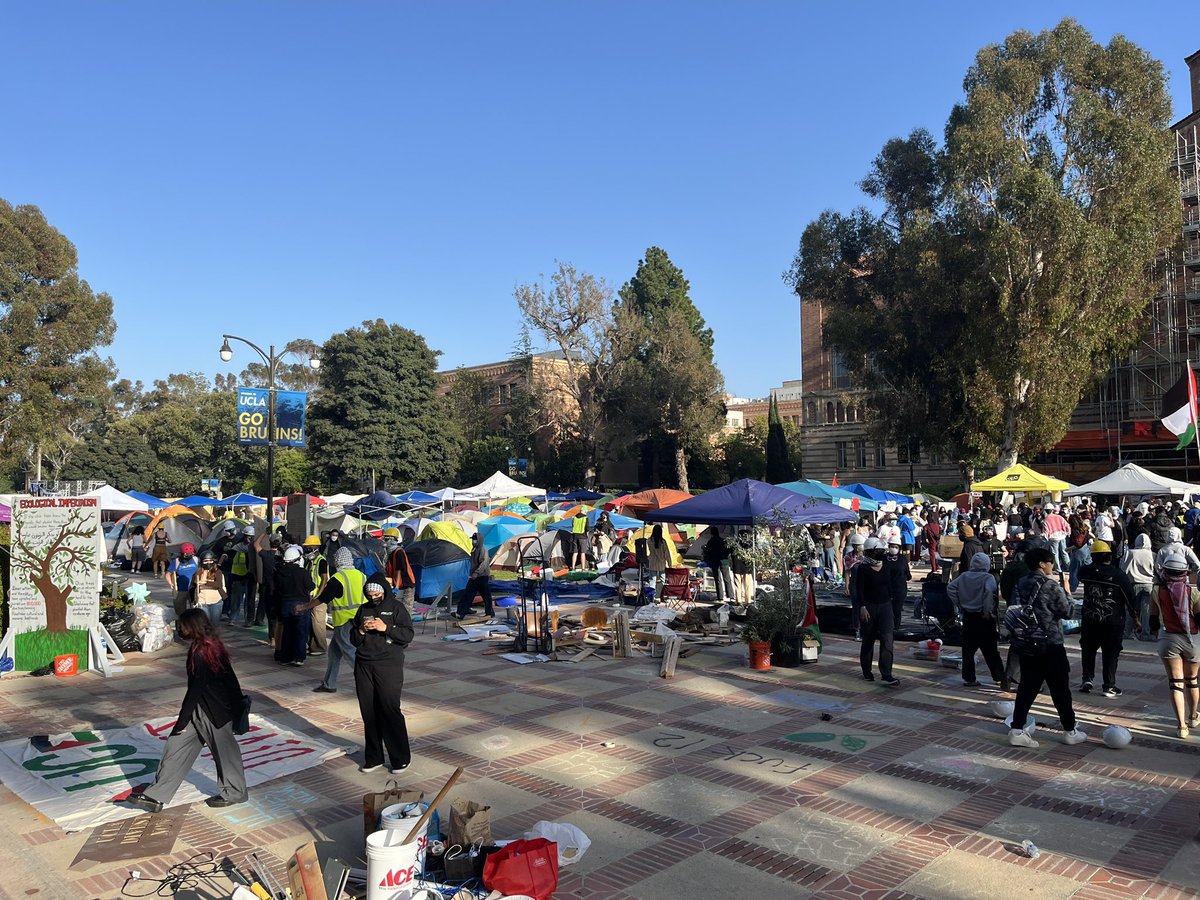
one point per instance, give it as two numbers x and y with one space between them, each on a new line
5 513
747 501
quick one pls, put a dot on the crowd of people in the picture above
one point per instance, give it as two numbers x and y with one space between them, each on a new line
1133 565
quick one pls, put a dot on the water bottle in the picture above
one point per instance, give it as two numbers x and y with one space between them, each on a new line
1030 849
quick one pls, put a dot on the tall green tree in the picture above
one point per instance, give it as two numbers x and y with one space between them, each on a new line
666 384
53 383
377 413
779 460
1008 264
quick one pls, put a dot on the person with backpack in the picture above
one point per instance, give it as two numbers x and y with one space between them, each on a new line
1035 625
1174 609
160 555
1108 602
974 596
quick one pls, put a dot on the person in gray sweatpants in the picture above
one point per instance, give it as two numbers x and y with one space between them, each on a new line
211 707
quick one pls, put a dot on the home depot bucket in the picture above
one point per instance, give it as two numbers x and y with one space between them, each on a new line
68 664
927 650
392 867
760 654
401 817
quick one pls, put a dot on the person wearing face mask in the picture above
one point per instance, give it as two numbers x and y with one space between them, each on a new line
293 590
318 571
899 559
344 594
876 588
382 629
180 576
208 588
399 569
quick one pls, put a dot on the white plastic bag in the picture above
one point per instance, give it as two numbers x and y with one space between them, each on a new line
572 842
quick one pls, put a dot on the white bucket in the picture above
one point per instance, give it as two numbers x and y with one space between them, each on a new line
392 867
394 818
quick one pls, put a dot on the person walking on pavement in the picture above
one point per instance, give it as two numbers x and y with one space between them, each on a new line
213 702
318 571
876 586
267 607
478 581
1047 665
1139 566
344 594
1174 610
932 534
974 596
160 552
293 589
208 588
1108 603
180 576
381 630
241 574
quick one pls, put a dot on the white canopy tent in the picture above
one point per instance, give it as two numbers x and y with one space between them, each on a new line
112 500
342 499
1132 480
500 487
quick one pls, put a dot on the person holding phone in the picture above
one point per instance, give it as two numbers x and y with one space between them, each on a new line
382 630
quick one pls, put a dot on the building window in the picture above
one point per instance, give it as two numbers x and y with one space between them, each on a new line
829 412
841 413
812 413
903 454
843 454
880 457
860 454
838 371
935 459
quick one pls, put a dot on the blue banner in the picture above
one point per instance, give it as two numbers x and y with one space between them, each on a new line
289 418
252 406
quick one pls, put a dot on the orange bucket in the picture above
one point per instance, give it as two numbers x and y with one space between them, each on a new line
760 655
67 664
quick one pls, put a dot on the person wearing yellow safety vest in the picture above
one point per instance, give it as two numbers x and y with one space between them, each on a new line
344 594
318 570
579 540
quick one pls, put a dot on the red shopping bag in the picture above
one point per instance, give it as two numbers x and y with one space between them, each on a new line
523 867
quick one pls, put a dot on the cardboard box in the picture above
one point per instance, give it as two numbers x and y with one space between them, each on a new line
810 651
533 623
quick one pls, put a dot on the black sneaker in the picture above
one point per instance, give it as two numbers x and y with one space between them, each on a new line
1085 688
321 689
970 684
147 803
867 676
396 770
891 681
1112 691
221 802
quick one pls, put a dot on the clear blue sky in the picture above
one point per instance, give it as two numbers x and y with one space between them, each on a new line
288 169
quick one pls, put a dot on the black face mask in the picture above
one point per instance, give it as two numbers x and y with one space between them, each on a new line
877 555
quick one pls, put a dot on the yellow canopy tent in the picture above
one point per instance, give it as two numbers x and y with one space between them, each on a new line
1021 479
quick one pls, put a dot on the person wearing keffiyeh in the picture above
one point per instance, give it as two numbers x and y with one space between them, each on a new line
344 594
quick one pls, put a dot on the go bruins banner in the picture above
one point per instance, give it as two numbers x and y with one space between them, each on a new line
253 405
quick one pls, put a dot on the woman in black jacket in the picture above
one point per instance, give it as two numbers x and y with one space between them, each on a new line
382 629
212 703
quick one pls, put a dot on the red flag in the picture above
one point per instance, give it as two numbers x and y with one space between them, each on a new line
810 615
834 482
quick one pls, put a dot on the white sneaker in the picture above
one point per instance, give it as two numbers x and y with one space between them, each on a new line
1019 738
1075 736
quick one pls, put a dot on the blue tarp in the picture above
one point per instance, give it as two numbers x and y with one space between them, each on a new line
747 501
583 495
150 501
813 488
197 500
418 498
556 497
619 522
878 494
376 507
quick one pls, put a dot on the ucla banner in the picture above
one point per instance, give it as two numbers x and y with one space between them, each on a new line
252 417
289 418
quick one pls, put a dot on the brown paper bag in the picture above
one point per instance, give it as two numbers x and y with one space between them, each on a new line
470 823
374 804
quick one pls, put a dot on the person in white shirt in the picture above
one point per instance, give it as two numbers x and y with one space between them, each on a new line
1103 526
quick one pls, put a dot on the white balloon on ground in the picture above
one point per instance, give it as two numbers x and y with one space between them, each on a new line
1003 708
1117 737
1030 723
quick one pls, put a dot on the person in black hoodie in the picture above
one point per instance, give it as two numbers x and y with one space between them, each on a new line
1108 602
970 546
293 591
382 629
875 589
212 703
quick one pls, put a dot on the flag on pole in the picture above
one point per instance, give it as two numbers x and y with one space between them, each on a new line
1179 408
834 482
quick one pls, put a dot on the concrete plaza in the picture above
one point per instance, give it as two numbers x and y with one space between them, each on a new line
724 782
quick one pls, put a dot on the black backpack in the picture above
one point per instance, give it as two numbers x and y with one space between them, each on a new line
1027 636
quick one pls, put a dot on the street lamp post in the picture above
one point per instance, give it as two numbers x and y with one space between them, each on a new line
272 360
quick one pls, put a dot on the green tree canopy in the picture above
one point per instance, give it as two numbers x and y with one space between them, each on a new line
377 411
779 459
1008 264
53 384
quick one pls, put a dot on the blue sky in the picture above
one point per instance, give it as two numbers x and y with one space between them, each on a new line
289 169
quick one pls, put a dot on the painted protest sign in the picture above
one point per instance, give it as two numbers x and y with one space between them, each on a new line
55 586
76 778
253 418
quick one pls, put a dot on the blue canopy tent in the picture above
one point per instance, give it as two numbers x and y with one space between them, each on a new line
583 495
241 500
496 530
812 488
149 500
196 500
375 507
619 522
878 494
418 498
556 497
746 502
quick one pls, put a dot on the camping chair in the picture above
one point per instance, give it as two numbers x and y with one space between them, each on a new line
680 590
937 612
438 611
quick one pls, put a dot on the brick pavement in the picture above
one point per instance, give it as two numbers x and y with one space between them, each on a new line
724 782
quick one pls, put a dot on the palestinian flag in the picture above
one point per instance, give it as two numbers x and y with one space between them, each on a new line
1179 409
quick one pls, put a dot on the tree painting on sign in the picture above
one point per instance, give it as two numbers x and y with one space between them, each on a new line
55 578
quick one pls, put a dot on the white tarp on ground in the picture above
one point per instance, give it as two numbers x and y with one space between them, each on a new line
1132 480
76 778
500 487
112 500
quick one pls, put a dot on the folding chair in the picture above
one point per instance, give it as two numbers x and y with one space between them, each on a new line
680 590
436 609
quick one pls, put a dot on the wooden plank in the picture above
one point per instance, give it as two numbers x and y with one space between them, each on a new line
670 657
304 874
648 637
623 641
